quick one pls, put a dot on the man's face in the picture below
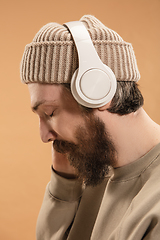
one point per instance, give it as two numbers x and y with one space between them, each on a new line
81 136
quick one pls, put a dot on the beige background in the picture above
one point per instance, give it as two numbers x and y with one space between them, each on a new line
24 160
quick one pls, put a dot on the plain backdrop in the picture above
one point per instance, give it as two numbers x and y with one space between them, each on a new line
24 160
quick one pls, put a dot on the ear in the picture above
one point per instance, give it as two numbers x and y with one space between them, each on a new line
103 108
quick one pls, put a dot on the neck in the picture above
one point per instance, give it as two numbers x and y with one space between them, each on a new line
133 135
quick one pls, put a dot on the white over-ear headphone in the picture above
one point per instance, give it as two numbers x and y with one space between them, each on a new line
93 84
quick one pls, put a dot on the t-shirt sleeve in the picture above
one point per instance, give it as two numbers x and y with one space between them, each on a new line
60 204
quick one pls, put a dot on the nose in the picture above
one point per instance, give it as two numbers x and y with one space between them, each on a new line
47 134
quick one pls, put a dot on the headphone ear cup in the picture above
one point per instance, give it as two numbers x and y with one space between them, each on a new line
95 87
74 88
94 84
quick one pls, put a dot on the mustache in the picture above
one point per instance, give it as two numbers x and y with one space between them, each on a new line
64 147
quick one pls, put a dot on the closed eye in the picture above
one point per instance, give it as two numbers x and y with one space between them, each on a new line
51 115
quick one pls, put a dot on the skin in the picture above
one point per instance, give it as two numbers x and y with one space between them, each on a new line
45 101
59 115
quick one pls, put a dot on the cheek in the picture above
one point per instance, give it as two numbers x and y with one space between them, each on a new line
65 126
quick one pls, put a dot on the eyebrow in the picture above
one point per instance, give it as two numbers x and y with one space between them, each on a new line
37 104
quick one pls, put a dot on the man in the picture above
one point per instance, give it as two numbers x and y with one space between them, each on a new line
105 181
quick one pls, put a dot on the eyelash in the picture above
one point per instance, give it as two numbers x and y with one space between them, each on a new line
51 115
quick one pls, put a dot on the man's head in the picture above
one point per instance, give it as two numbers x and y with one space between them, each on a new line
78 133
49 62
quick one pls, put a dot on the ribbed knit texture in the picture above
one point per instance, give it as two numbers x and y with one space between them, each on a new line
52 56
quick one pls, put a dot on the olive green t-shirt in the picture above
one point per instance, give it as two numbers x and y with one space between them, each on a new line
126 206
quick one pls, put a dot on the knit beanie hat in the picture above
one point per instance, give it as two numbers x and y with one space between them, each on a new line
52 56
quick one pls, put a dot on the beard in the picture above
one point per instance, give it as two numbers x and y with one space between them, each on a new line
93 154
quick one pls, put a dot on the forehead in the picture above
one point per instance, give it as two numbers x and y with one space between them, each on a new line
44 92
52 94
